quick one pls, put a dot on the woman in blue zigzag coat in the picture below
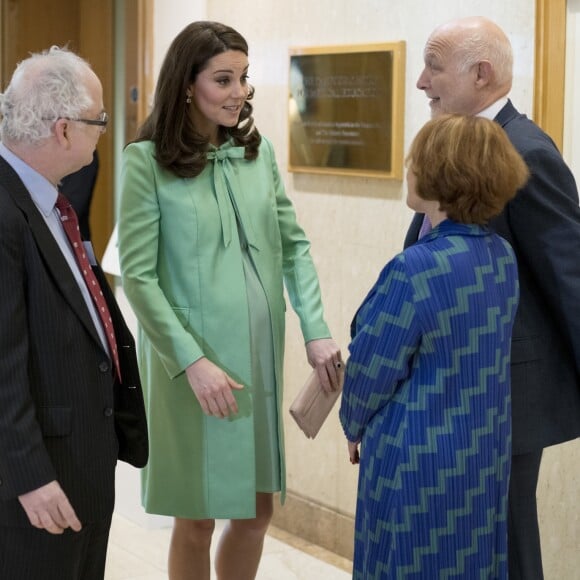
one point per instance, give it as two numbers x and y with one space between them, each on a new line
427 392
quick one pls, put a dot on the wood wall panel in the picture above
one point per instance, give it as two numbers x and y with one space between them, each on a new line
550 67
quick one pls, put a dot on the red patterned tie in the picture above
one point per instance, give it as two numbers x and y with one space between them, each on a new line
70 223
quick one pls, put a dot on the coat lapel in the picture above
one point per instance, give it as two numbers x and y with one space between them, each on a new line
56 264
506 114
413 231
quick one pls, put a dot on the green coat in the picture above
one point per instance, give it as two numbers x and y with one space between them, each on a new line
183 275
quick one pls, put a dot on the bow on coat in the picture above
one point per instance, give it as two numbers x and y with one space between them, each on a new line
229 195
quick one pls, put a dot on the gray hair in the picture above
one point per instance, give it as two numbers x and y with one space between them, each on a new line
43 88
495 48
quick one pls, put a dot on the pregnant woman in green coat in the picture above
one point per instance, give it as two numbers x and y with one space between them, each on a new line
207 240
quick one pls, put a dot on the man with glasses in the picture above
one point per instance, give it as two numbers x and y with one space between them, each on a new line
70 396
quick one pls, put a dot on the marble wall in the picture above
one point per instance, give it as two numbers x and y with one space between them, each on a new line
357 224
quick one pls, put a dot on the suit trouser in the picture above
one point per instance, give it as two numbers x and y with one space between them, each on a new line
524 550
27 553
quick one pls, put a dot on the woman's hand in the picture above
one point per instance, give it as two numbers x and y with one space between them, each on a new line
353 452
324 355
213 388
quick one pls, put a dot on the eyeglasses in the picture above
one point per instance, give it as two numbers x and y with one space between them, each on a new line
100 122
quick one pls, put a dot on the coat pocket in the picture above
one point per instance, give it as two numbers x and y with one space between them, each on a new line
55 421
525 350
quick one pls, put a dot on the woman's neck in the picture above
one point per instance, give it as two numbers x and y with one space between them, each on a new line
435 215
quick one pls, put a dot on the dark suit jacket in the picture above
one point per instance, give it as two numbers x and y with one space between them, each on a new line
62 414
78 188
542 223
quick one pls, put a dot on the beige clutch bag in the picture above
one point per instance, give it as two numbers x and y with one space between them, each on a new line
312 404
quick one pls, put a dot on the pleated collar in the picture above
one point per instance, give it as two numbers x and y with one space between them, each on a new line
450 228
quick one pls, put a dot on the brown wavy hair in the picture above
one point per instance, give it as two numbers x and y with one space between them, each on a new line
179 147
468 165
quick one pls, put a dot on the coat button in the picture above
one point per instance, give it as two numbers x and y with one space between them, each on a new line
104 367
108 412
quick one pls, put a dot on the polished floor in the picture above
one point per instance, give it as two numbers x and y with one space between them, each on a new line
136 553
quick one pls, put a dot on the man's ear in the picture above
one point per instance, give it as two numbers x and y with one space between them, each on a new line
62 132
484 73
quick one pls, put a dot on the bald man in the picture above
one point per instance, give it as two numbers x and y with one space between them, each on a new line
468 70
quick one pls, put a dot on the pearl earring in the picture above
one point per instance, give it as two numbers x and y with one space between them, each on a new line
188 99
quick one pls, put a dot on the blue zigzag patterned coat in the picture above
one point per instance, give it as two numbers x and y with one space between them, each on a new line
427 391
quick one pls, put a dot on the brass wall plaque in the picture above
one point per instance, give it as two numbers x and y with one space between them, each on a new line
346 110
